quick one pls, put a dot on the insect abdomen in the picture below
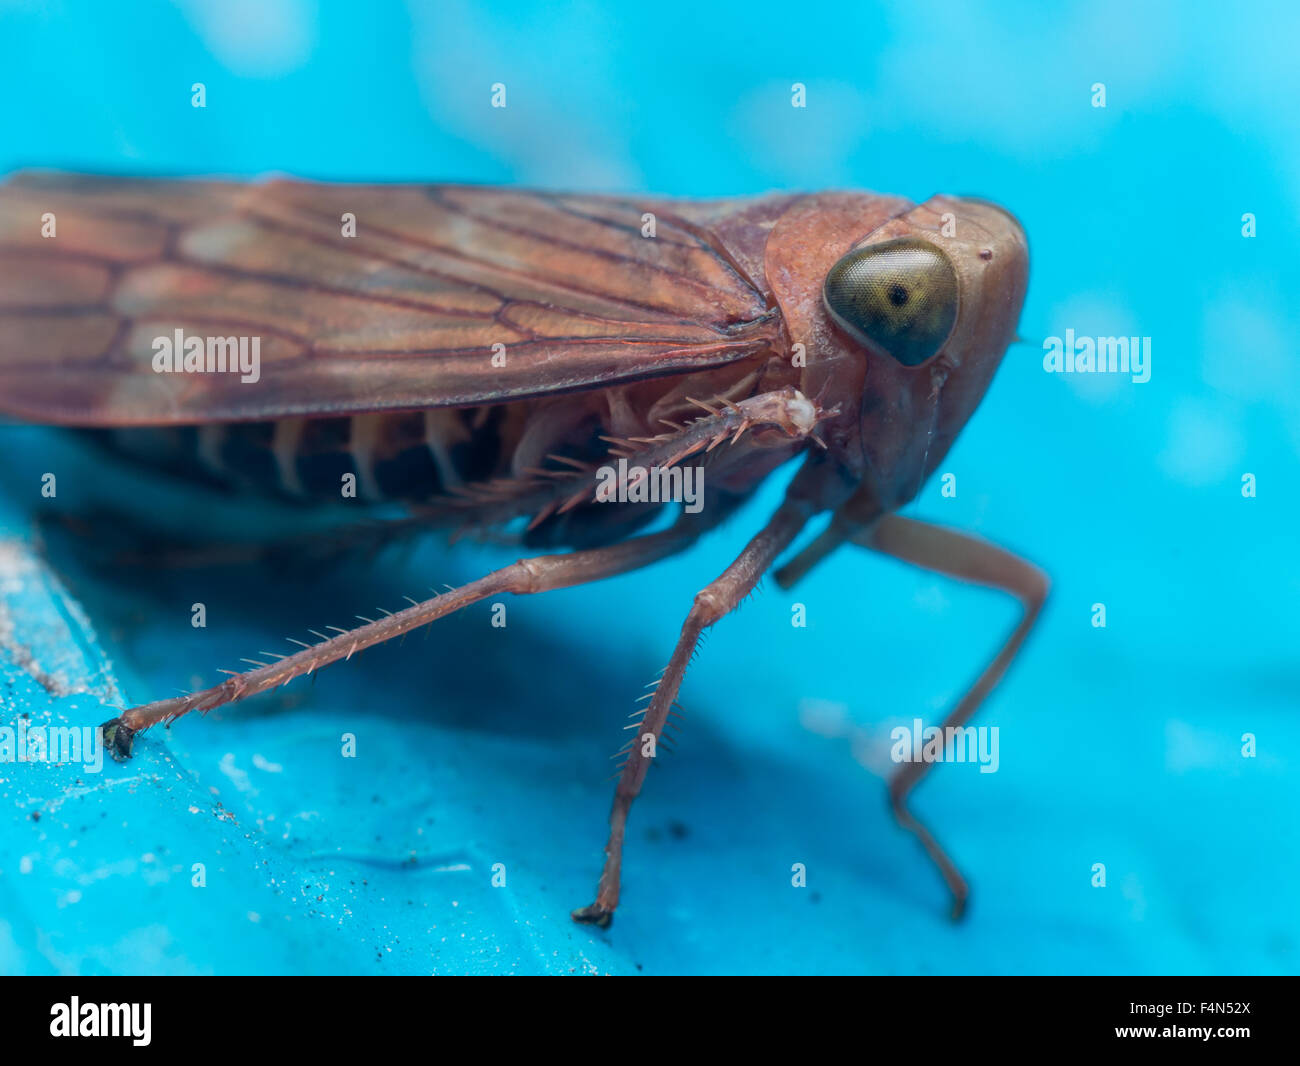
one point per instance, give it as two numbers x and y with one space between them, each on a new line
377 457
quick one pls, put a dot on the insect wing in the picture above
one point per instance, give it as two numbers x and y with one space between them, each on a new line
360 297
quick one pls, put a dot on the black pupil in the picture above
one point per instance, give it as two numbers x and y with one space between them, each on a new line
897 295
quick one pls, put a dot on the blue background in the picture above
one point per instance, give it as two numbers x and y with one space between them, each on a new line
478 746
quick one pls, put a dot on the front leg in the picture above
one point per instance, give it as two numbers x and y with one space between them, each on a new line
965 558
959 556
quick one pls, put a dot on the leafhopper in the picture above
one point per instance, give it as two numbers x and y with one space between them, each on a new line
502 359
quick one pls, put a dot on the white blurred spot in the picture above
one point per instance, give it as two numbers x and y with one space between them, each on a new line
812 144
823 717
459 50
931 599
1093 314
1203 445
1029 98
238 777
255 38
261 763
1245 353
1190 748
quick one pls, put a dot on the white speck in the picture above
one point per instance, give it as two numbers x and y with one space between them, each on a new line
931 598
826 718
270 767
237 776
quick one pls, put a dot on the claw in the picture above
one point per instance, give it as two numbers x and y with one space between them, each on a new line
959 904
118 737
593 914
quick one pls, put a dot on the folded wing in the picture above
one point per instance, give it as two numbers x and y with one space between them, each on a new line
444 296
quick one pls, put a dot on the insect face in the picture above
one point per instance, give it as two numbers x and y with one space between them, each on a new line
930 300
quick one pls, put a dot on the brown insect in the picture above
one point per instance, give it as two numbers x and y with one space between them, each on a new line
489 355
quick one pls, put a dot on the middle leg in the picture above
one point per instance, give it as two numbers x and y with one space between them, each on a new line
712 603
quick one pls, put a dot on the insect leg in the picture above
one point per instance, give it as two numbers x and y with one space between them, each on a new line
849 523
526 576
712 603
965 558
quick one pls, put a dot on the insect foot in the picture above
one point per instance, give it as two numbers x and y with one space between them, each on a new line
593 914
118 737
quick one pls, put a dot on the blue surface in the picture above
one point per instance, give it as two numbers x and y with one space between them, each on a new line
481 746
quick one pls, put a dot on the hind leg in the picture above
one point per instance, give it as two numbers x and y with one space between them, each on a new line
524 577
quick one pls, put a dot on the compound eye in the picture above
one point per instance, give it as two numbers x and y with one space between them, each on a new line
899 295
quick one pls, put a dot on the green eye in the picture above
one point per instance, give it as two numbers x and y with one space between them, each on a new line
900 295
